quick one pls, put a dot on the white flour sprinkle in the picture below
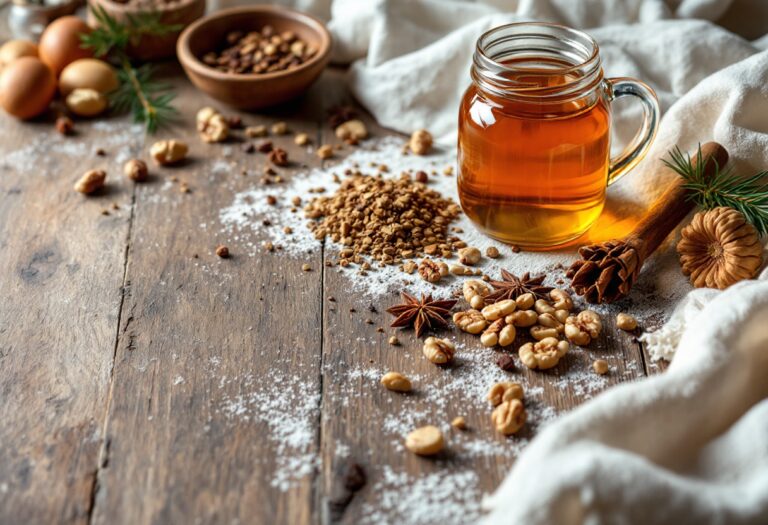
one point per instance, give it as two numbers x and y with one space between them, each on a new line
243 223
290 413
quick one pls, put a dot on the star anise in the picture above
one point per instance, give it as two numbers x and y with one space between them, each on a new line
512 287
424 313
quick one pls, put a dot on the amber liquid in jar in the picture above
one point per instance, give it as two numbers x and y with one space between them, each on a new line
533 172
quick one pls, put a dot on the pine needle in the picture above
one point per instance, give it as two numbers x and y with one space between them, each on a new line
748 195
147 100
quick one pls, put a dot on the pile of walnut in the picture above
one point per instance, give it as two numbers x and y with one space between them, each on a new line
546 321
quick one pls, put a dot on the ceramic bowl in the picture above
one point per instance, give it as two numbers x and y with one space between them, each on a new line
151 47
252 91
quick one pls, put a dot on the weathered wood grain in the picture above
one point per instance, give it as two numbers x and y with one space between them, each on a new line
213 356
60 292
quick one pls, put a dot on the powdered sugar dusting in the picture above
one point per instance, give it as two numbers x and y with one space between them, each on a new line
250 219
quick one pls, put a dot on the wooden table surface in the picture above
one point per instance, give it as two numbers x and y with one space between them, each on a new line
145 380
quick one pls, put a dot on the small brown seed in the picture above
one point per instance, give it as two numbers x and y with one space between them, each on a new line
325 151
222 251
306 267
393 340
64 125
492 252
626 322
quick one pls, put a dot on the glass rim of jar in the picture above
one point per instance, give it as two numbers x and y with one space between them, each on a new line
576 48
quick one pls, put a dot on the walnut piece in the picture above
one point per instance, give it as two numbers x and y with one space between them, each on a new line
167 152
719 248
352 131
470 321
498 333
474 292
543 354
509 417
522 318
582 328
212 125
431 271
506 391
469 255
561 300
498 310
438 351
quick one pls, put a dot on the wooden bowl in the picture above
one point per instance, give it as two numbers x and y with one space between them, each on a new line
151 47
252 91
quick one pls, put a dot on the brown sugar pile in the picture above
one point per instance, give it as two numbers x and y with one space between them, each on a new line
387 219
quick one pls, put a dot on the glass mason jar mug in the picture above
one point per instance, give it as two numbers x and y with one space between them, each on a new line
534 134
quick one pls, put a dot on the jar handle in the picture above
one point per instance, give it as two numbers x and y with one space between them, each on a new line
635 150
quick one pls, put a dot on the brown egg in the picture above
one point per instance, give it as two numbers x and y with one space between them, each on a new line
60 42
14 49
90 73
26 87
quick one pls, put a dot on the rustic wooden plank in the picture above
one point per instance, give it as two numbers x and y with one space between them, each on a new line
62 269
215 399
365 424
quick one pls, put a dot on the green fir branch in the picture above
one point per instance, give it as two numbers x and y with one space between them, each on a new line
748 195
149 101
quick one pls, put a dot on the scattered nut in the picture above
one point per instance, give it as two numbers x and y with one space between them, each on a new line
396 382
222 251
492 252
543 354
498 310
525 301
470 321
509 417
325 151
475 292
91 181
506 391
306 267
550 321
421 142
352 131
302 139
438 351
425 441
279 128
542 332
64 125
469 255
265 146
561 300
522 318
506 363
278 157
626 322
459 423
86 102
600 366
136 170
498 333
212 125
431 271
542 306
255 131
393 340
582 328
421 177
167 152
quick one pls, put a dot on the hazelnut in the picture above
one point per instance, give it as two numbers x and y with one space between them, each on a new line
626 322
167 152
136 170
325 151
352 131
600 366
64 125
222 251
421 142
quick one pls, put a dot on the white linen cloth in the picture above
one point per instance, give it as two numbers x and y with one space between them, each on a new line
687 446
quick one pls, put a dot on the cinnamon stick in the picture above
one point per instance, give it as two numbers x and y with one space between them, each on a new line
607 271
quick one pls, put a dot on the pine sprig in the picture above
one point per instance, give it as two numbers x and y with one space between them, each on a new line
147 100
748 195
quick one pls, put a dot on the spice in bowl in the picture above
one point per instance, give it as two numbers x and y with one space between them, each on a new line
260 52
